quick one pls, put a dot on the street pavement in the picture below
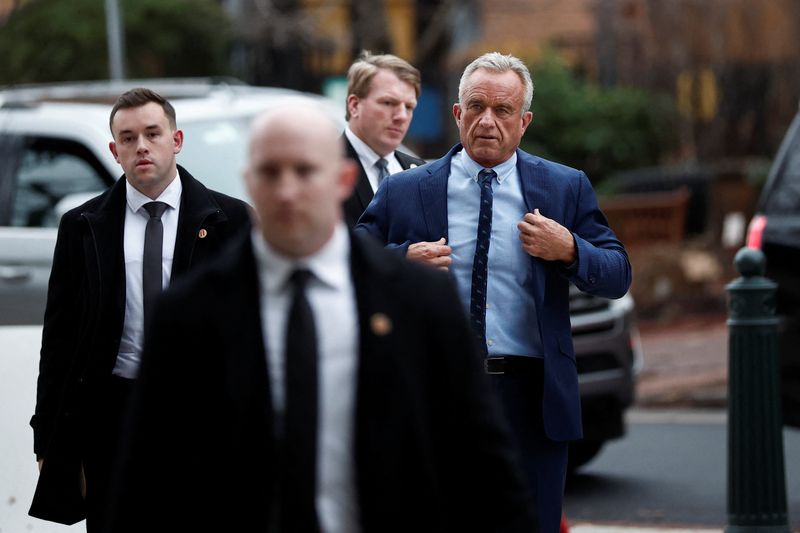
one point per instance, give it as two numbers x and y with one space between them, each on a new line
684 374
668 472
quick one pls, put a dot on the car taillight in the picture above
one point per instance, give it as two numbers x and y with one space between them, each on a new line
755 232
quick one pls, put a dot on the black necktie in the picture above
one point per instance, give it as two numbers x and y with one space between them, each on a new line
298 512
152 260
383 169
480 263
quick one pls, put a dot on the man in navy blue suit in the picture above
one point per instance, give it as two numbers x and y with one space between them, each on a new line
514 230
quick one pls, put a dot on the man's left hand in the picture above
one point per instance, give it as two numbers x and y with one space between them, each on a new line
546 239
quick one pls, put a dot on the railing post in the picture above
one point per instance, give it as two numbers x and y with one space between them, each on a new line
756 476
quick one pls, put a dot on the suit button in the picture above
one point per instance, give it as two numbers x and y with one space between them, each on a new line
592 279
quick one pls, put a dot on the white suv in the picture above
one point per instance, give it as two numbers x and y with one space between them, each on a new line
54 155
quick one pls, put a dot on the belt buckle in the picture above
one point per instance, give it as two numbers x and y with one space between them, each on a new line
498 362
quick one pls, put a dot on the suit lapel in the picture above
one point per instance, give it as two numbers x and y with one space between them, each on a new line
536 190
363 190
433 191
376 352
107 226
534 183
247 374
196 207
406 161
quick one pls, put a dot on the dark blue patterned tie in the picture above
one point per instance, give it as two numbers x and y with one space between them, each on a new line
480 264
383 169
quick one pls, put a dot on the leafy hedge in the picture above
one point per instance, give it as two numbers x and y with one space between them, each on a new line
599 130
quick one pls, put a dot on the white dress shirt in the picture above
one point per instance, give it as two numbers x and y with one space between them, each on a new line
368 157
331 296
136 217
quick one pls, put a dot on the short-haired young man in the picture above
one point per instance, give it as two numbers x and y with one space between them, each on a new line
113 256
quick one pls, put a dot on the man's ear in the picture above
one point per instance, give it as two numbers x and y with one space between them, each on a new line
527 118
457 113
352 105
177 139
113 147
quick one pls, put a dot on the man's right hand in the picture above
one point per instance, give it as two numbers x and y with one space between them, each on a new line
436 254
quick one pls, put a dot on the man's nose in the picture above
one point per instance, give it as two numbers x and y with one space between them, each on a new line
141 145
486 118
401 112
287 187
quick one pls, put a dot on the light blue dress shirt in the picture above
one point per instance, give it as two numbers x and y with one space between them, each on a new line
511 322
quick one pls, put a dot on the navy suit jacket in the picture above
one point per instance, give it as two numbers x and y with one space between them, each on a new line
411 207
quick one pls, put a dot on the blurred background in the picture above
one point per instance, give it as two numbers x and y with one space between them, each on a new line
676 110
644 95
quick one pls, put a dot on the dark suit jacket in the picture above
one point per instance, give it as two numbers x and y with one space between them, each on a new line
430 453
84 317
362 194
412 206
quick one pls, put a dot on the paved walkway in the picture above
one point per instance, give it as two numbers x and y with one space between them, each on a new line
590 528
685 363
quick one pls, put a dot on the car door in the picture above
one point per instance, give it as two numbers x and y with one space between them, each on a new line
40 179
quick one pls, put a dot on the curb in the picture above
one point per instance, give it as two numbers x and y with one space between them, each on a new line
590 528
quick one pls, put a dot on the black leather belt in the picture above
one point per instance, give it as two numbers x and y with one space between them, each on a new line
512 364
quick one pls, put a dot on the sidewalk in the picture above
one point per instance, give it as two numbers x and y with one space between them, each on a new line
589 528
685 373
685 363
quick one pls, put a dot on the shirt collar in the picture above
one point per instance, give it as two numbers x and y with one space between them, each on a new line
330 265
503 170
170 196
367 155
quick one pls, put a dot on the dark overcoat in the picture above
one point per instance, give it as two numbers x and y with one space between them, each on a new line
84 318
430 451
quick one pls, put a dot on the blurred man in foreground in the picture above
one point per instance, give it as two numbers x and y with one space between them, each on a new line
310 380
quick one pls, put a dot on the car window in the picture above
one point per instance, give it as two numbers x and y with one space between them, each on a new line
215 152
784 198
49 171
10 150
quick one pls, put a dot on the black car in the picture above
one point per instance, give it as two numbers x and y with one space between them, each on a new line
775 229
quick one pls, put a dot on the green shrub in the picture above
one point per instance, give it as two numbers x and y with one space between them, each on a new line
599 130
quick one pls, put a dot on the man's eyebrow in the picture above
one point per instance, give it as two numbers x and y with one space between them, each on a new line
151 127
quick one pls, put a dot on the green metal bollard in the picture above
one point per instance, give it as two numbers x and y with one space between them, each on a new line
756 476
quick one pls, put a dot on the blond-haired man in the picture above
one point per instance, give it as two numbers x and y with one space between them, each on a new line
382 93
